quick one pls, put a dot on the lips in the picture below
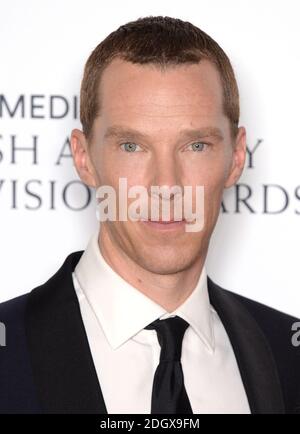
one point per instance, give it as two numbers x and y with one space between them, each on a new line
160 225
163 221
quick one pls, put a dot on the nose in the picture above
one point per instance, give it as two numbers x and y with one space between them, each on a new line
166 170
166 174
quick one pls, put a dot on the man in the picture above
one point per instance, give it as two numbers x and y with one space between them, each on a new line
133 324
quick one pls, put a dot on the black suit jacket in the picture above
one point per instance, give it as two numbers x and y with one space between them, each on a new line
47 367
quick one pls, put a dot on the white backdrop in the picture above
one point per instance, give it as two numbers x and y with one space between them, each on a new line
44 45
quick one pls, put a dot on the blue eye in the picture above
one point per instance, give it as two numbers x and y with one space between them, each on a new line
129 146
198 146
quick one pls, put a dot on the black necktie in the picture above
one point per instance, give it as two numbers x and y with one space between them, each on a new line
168 391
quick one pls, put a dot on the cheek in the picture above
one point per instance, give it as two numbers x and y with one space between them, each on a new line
214 183
208 169
213 180
114 165
212 202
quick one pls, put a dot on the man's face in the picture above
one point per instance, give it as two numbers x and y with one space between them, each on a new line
159 106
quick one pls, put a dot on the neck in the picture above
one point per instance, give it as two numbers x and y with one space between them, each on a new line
168 290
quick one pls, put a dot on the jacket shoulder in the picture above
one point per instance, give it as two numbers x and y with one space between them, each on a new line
280 330
17 391
17 386
269 318
273 320
13 310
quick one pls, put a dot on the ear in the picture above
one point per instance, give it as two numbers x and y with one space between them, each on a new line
81 158
238 158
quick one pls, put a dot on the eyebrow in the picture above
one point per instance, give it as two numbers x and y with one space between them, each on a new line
118 131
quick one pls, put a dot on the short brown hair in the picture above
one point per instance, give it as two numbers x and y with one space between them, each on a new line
162 41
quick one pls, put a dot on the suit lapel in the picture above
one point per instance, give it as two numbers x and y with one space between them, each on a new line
63 367
252 352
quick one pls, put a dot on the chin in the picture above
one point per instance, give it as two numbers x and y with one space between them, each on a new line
165 262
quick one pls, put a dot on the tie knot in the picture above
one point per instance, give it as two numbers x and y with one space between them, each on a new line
170 333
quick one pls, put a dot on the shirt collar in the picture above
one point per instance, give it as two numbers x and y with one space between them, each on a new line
123 310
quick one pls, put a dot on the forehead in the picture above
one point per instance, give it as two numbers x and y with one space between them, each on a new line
148 90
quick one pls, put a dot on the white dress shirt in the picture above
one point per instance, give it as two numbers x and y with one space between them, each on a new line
126 355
